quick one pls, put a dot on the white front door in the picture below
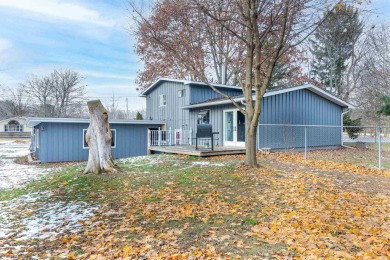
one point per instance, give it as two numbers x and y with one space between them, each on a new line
233 128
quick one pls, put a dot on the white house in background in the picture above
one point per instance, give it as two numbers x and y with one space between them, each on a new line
14 127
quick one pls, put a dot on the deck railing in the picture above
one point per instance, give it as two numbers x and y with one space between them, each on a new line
169 137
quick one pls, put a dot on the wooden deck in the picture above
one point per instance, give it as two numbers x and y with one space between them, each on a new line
190 150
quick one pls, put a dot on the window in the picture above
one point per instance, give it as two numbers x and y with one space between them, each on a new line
181 93
204 117
113 138
13 126
163 100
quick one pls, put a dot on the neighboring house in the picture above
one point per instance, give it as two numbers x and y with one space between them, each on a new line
14 127
63 139
183 104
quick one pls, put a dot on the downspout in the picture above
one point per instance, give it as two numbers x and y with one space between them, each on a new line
342 126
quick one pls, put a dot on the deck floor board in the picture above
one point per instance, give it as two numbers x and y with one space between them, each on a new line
190 150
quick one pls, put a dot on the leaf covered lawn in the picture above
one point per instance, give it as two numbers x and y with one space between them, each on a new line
190 208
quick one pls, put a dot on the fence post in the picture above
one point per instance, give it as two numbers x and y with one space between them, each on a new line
305 143
159 136
380 148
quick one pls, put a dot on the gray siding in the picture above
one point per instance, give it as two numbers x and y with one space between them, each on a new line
201 93
172 114
61 142
301 107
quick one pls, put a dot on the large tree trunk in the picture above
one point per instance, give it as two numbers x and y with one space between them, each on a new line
250 157
98 138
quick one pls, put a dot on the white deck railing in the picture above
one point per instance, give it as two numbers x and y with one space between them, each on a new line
169 137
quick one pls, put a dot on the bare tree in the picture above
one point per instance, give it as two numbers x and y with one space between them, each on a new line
16 103
67 90
41 91
370 73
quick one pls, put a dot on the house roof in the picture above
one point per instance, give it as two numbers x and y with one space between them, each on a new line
33 121
13 118
309 87
185 82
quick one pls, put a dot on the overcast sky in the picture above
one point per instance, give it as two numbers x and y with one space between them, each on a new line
88 36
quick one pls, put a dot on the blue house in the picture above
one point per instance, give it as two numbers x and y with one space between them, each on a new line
183 104
63 139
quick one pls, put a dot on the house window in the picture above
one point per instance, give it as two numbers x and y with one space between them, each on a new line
163 100
181 93
13 126
204 117
113 138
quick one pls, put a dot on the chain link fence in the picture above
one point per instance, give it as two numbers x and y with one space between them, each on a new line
361 145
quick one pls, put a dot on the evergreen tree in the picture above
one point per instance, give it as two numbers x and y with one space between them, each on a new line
139 116
385 109
332 47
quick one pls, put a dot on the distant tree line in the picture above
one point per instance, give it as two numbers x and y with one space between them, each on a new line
58 94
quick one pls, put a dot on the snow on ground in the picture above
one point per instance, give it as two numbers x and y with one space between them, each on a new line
12 174
34 216
207 163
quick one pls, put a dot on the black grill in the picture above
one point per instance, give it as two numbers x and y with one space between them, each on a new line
205 131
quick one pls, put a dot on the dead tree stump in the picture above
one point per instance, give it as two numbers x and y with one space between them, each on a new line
98 138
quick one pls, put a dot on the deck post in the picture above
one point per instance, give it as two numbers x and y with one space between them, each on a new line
159 136
149 137
190 137
170 136
181 136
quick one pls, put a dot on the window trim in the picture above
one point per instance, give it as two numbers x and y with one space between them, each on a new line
163 100
87 147
37 132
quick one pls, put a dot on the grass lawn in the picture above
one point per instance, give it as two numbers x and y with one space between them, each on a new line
367 157
184 207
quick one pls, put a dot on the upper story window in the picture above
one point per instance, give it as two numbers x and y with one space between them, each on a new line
163 100
181 93
13 126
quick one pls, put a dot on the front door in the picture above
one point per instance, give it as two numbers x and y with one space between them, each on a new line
233 128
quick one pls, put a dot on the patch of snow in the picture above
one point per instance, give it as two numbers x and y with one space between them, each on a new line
13 175
33 216
206 163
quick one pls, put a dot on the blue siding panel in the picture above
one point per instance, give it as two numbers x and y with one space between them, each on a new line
60 142
301 107
201 93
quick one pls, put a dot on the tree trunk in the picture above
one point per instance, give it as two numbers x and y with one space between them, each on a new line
98 138
250 147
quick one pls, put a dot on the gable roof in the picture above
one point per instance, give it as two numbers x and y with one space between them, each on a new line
309 87
17 118
185 82
33 121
